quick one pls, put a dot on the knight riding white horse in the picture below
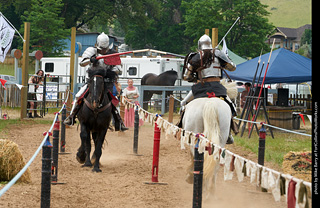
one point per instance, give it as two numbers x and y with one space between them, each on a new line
211 110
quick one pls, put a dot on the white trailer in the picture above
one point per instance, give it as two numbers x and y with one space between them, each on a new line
131 67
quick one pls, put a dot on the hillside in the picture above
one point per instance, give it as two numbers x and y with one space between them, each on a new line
289 13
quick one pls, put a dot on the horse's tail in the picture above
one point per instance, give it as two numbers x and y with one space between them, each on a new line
212 132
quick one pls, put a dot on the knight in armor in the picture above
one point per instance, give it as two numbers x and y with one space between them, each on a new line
205 67
102 47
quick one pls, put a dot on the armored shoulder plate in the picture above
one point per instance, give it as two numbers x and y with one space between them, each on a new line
89 52
225 61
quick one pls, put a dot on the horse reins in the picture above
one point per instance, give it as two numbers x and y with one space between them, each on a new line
96 110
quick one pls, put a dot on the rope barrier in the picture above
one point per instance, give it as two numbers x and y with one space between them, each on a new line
21 172
191 138
271 126
275 127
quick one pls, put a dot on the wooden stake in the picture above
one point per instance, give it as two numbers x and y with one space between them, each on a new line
73 48
25 61
214 37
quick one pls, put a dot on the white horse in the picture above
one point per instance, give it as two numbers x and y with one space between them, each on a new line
210 116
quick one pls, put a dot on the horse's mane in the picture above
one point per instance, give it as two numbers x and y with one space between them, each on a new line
99 70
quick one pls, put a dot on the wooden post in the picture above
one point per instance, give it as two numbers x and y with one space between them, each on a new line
73 48
206 31
25 62
171 106
214 37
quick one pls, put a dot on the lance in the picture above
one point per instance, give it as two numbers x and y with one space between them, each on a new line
228 31
257 104
138 51
248 98
135 51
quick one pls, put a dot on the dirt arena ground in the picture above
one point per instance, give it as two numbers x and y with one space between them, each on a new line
121 182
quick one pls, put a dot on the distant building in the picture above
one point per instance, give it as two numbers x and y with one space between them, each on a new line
288 38
88 40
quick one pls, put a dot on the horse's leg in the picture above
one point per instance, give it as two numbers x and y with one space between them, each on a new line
81 154
99 142
94 138
85 138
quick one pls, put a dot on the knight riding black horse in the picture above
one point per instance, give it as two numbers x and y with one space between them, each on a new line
95 115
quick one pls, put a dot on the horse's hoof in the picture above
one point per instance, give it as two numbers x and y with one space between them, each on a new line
87 165
97 170
81 157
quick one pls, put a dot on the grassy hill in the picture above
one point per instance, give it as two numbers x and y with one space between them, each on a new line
289 13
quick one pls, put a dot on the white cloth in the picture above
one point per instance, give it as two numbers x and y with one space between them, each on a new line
238 165
274 186
253 171
227 173
6 37
264 178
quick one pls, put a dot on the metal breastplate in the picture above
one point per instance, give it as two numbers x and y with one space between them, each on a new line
213 70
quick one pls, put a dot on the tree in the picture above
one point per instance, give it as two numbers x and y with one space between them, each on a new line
47 28
159 29
248 35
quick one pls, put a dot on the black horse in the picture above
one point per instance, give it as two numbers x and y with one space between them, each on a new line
95 115
167 78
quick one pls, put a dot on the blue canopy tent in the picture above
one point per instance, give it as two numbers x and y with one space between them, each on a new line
284 67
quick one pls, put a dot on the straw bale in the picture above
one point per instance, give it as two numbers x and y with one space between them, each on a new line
298 164
11 162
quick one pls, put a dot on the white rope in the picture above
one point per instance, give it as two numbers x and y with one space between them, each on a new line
21 172
204 140
275 127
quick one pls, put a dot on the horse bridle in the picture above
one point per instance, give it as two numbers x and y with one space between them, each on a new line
97 110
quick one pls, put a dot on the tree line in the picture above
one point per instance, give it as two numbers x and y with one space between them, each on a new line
168 25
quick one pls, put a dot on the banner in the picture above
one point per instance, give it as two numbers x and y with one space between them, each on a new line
6 36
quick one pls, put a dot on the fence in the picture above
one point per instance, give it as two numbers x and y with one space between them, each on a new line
48 94
10 96
47 166
264 177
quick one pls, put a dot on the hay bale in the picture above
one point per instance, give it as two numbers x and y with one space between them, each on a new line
11 162
298 164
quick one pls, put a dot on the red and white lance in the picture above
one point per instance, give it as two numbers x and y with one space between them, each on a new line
257 104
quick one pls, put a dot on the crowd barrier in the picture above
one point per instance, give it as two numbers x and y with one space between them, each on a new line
264 177
49 169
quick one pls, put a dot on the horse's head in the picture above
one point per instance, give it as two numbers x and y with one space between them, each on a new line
96 89
100 80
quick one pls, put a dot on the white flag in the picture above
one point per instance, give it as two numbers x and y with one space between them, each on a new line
6 36
224 48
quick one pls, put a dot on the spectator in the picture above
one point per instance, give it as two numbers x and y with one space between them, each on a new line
131 94
36 79
244 94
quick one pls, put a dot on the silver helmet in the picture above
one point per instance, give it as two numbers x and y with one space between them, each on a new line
103 42
204 42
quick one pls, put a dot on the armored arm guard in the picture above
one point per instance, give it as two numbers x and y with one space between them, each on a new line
87 54
188 72
225 61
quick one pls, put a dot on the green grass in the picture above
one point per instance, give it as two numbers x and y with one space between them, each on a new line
4 124
275 148
289 13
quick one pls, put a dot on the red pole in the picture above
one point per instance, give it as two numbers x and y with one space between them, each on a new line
156 148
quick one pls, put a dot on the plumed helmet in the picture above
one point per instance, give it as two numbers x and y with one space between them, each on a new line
204 42
103 41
